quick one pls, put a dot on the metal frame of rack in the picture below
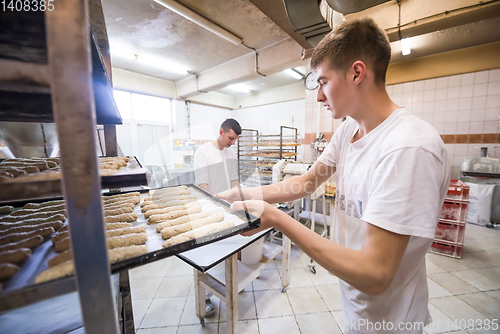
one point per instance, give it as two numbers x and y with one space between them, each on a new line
281 145
67 86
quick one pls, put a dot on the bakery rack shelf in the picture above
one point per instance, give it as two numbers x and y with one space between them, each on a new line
263 151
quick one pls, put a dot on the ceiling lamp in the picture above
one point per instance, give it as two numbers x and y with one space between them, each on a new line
239 88
405 46
159 63
294 73
199 20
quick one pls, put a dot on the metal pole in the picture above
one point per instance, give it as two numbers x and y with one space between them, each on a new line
110 140
74 112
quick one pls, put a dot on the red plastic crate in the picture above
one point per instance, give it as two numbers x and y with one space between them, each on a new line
450 232
458 191
454 212
448 250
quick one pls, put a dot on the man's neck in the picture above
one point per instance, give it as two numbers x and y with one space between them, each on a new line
217 144
372 111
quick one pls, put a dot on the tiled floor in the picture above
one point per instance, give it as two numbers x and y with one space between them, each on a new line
462 291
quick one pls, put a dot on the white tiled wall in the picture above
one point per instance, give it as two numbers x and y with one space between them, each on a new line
460 104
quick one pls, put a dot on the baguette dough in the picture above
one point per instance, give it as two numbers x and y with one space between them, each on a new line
6 209
149 200
117 212
24 212
63 245
163 205
7 270
114 226
26 243
60 258
182 220
127 240
128 217
15 237
133 200
28 228
126 230
15 255
198 233
62 269
114 255
34 221
174 214
41 205
59 236
119 206
11 219
170 209
172 231
133 194
167 190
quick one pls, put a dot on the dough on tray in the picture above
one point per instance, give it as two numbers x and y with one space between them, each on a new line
155 219
15 237
170 209
127 240
34 221
26 243
170 232
7 270
127 217
62 269
41 205
117 212
163 205
28 228
125 230
12 219
15 255
6 209
182 220
198 233
114 226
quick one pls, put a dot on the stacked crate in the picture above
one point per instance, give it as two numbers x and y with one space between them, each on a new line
450 231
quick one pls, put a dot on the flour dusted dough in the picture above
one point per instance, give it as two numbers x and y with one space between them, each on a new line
198 233
167 190
122 253
127 240
33 221
126 230
174 214
117 212
15 255
60 258
170 232
63 269
6 209
134 200
28 228
24 212
11 219
27 243
41 205
15 237
63 245
163 205
170 209
149 200
128 217
182 220
114 226
118 206
7 270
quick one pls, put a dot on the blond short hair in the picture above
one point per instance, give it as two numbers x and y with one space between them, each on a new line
355 40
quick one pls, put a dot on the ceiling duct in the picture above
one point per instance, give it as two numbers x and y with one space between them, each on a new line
353 6
306 17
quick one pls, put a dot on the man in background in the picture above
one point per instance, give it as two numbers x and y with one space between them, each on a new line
216 169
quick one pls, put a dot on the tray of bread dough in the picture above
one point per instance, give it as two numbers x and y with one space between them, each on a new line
31 178
141 227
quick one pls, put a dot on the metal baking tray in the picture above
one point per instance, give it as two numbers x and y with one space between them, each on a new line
20 289
131 176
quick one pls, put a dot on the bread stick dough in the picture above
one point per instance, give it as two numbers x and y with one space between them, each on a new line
26 243
15 237
28 228
7 270
123 253
24 212
63 245
182 220
11 219
35 221
114 226
164 205
6 209
117 212
170 209
198 233
125 230
127 240
15 255
172 231
62 269
127 217
174 214
41 205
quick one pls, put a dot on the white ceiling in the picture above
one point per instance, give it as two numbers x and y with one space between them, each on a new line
147 28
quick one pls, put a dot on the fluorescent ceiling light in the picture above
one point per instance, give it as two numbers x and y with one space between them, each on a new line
239 88
123 54
156 62
405 46
293 73
200 20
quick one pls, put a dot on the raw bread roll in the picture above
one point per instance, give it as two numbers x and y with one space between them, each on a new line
134 200
127 240
15 255
63 229
13 171
174 214
128 217
198 233
11 219
182 220
27 243
62 269
60 258
63 245
33 221
7 270
126 230
117 212
122 253
24 212
164 205
28 228
15 237
170 209
41 205
172 231
149 200
114 226
59 236
6 209
167 190
133 194
119 206
41 165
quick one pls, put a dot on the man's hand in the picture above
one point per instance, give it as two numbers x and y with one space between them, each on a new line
233 195
265 211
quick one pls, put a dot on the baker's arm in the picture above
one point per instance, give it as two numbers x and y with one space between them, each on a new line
205 187
235 183
288 190
370 270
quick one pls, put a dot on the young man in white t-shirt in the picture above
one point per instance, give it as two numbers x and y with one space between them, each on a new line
216 169
392 176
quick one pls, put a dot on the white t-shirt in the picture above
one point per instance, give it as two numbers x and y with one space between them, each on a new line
395 177
215 167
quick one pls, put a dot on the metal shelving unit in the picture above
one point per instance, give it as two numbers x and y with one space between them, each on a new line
258 153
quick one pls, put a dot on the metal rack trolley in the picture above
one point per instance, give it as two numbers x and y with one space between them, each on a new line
277 147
